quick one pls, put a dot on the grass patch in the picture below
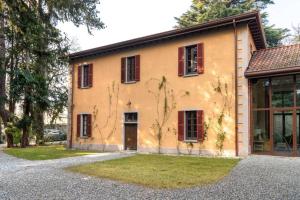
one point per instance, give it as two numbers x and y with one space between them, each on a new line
45 152
161 171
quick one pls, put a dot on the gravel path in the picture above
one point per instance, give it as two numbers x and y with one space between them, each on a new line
257 177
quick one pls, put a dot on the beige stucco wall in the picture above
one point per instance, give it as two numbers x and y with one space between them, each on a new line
245 41
156 61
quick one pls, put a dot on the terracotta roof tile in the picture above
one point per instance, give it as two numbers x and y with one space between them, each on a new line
272 60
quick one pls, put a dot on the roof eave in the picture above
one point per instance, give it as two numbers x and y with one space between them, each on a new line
253 16
260 74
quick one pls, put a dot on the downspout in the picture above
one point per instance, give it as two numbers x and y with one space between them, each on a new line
236 87
71 106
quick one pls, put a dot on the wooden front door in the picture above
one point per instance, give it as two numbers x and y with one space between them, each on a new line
130 136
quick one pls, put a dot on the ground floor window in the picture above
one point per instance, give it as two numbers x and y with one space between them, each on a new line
191 125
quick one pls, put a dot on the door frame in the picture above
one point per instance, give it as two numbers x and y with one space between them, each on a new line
123 128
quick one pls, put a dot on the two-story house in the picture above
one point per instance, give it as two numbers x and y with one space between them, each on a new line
191 90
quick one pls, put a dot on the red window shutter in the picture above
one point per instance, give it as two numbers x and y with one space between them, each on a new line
137 68
180 125
180 61
123 68
91 75
79 76
78 125
200 125
89 125
200 58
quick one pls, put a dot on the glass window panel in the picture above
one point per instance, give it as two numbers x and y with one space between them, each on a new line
130 117
260 93
191 59
130 70
191 125
283 131
298 90
283 91
85 75
261 131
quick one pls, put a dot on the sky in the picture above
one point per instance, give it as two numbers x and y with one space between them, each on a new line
136 18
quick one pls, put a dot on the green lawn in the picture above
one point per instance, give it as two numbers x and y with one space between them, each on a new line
45 152
160 171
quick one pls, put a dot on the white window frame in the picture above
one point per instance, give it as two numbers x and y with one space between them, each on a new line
126 67
185 61
185 133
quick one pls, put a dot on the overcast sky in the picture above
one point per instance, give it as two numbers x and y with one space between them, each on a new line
127 19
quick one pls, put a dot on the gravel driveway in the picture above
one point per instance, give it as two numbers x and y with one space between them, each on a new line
257 177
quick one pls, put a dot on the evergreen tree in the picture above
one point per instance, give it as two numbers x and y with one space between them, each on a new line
34 57
206 10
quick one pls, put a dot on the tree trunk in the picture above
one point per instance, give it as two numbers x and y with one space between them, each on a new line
38 126
3 113
9 140
26 116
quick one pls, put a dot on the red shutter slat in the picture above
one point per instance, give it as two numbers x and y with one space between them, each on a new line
78 125
90 75
200 58
200 125
180 125
180 61
123 67
137 68
79 76
89 125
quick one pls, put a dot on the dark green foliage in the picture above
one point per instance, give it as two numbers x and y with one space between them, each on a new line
206 10
36 59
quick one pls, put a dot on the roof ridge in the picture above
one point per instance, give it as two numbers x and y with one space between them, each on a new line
278 47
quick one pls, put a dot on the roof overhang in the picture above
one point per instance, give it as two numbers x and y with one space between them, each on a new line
277 72
251 18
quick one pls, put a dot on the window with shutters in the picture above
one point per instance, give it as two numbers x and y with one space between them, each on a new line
190 125
190 60
130 69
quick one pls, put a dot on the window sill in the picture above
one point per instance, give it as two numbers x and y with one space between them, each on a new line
87 87
130 82
190 75
84 137
190 141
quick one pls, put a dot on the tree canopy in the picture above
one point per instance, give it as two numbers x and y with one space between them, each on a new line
206 10
34 62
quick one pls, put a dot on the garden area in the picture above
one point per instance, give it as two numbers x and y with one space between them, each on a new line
161 171
45 152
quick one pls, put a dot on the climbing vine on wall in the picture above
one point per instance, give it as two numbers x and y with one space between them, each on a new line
222 90
108 127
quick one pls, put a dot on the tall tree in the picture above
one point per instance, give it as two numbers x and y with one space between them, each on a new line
206 10
36 55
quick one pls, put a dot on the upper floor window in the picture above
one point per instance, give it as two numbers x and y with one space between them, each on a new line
130 69
85 76
190 60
